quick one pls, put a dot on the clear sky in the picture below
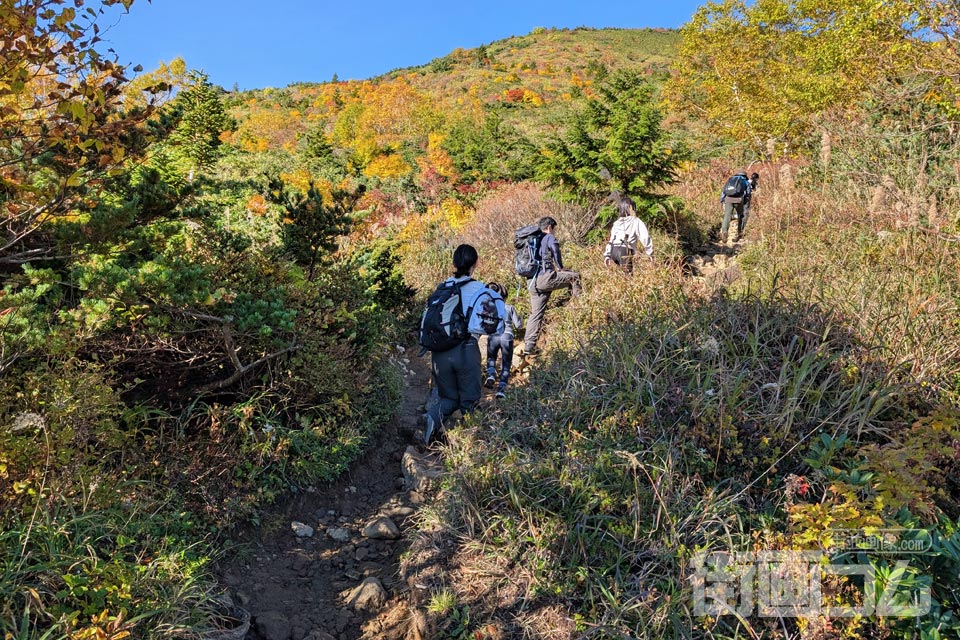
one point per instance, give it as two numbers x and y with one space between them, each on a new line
273 43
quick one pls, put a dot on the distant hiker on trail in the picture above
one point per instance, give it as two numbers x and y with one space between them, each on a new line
627 233
501 342
550 276
735 197
460 310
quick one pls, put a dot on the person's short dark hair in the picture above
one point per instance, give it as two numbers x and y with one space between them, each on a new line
754 176
626 206
464 257
498 288
546 222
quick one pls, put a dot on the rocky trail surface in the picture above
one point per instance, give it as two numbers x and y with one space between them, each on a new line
326 566
717 263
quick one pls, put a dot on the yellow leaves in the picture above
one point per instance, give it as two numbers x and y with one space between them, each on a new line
66 16
792 61
532 97
438 158
454 212
385 116
387 166
104 627
177 67
75 179
266 128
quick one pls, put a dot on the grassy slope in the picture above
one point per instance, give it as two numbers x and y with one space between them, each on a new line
552 64
672 416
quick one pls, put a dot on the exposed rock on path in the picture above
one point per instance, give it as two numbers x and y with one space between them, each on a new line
716 264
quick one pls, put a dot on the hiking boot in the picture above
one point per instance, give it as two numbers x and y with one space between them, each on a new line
429 430
532 351
501 392
489 382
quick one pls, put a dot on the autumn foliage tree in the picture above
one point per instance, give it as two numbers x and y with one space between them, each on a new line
63 126
769 69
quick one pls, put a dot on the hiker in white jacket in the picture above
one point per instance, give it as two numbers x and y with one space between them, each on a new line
627 234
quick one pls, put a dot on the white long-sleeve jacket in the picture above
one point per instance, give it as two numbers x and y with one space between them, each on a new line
629 231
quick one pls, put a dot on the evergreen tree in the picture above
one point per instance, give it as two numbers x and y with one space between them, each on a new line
489 150
616 143
311 225
202 118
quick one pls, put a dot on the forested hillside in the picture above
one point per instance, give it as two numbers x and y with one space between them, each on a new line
203 294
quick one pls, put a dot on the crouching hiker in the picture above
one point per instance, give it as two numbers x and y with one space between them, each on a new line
456 314
502 343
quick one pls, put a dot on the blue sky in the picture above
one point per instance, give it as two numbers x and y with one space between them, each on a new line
264 43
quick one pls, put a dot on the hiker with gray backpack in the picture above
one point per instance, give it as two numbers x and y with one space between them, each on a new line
501 343
456 314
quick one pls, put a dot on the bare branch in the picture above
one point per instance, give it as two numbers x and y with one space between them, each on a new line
242 371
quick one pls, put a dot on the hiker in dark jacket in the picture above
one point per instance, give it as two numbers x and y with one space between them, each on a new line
742 220
734 204
551 276
457 371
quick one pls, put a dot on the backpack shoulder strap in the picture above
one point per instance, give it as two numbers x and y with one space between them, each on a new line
468 310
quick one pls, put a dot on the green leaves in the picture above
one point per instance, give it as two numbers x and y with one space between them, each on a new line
615 144
202 118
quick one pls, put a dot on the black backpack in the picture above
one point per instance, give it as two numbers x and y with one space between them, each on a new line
526 241
736 186
444 324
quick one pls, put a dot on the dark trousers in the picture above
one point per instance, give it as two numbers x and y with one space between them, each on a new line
728 209
540 289
622 256
742 221
502 344
456 377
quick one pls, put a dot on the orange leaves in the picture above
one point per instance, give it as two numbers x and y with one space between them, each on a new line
268 128
257 205
523 96
513 95
438 158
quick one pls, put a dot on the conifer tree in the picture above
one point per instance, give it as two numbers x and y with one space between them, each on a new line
616 143
202 119
312 223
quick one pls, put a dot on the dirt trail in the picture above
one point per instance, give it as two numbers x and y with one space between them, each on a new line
305 587
299 588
